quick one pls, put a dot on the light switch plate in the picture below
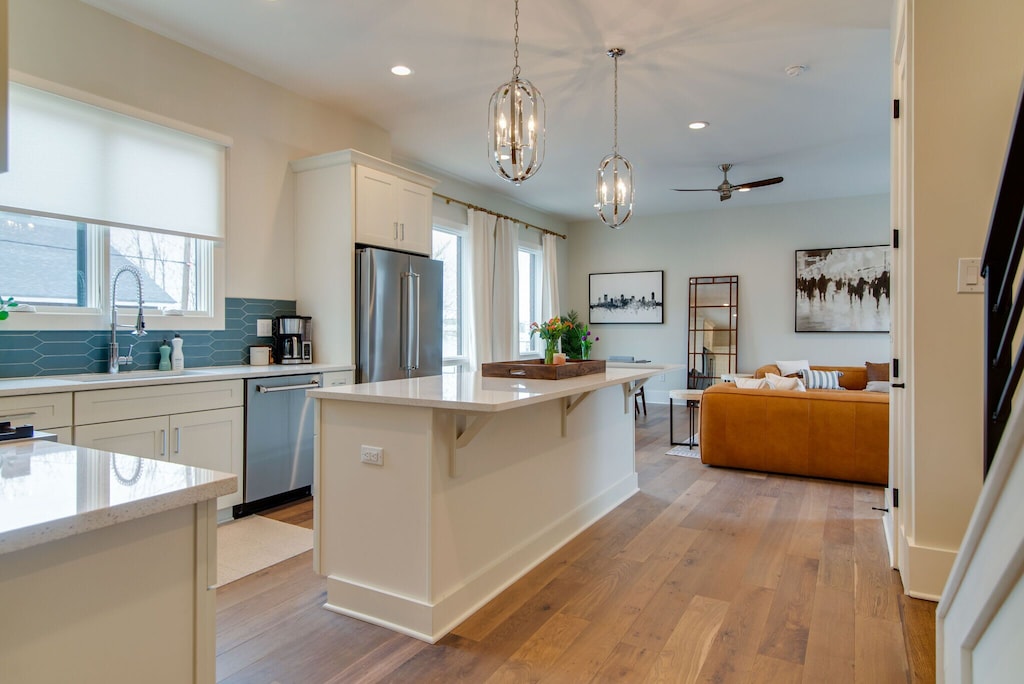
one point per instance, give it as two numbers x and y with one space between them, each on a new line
263 327
968 276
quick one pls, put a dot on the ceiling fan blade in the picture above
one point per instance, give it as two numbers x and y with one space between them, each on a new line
758 184
695 189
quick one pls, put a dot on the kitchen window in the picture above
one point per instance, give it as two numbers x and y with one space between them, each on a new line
132 188
56 265
450 246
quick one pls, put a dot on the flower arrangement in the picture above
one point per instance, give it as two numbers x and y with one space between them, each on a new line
6 304
551 332
586 343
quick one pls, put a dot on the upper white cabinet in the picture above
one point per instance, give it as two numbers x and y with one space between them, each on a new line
341 199
392 212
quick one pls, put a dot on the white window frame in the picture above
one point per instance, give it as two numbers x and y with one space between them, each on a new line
461 361
536 349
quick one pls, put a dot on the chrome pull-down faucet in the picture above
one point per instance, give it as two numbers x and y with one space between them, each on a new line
139 329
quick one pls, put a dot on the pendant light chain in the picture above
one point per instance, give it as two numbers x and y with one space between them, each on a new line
515 53
615 106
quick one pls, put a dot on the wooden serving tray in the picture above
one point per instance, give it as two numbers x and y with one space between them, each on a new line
536 369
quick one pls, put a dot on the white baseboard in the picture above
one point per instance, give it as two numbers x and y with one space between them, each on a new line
431 621
924 570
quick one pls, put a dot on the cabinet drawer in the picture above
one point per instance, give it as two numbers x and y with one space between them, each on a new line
100 406
39 410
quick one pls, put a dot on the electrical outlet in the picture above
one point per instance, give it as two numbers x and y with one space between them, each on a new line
372 455
263 327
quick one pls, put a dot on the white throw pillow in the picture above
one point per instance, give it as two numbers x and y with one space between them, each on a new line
877 386
792 367
780 383
819 379
751 383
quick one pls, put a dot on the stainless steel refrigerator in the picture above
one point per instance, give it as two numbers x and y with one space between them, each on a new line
398 315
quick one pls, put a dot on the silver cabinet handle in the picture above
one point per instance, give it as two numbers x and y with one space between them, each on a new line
396 230
403 232
177 440
17 416
263 389
163 442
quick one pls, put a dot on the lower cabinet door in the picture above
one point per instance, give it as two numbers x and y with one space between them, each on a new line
146 437
212 440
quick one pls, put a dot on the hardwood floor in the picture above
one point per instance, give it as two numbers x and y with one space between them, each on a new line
705 575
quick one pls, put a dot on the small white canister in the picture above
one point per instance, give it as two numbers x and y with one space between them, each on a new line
259 355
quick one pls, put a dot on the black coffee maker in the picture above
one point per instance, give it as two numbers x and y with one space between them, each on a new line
293 339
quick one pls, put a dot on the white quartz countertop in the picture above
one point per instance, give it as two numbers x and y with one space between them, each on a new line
50 491
474 392
89 381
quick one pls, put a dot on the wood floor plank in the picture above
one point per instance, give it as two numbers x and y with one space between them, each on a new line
878 657
830 640
707 574
789 620
732 654
690 642
918 619
768 670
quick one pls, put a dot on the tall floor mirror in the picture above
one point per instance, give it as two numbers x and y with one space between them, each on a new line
713 321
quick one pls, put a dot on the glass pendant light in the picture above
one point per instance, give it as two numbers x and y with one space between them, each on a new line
515 141
615 173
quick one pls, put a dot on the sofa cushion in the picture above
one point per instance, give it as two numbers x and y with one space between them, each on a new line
821 379
877 386
792 367
751 383
853 377
780 382
877 371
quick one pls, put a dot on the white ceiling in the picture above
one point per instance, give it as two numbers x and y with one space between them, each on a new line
722 61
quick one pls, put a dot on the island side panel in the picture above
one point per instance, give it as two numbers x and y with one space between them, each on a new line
374 520
124 599
521 491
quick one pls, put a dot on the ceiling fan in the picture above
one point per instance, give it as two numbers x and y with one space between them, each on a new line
726 189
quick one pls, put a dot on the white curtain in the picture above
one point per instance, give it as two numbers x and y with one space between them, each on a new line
504 341
549 290
492 330
481 229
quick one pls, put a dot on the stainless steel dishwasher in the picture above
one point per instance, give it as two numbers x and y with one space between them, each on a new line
278 441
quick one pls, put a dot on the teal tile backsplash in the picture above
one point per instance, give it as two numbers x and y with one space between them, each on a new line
60 352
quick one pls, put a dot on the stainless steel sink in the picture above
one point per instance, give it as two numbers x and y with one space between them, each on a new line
125 376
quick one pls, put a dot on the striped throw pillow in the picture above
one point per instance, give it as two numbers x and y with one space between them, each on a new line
819 379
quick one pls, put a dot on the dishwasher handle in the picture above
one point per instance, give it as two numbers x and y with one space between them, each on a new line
264 389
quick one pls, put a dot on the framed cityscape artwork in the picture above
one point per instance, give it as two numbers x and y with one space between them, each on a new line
628 297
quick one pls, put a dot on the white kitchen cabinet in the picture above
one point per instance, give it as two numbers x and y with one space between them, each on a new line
343 198
338 378
392 212
46 412
198 424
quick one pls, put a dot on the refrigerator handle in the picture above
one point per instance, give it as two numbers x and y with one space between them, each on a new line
410 321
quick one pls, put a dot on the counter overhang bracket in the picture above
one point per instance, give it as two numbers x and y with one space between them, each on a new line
463 434
629 389
569 405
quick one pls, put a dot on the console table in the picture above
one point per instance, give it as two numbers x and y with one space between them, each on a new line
692 399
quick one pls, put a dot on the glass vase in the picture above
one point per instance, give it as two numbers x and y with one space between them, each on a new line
549 351
585 351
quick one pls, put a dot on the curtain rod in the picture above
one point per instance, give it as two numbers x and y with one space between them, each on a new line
449 200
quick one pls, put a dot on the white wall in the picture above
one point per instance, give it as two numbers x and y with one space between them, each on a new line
967 62
79 46
756 243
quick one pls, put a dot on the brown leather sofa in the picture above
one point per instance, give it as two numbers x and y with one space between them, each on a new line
837 434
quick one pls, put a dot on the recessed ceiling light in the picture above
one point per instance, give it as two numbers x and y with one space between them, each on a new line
400 70
697 125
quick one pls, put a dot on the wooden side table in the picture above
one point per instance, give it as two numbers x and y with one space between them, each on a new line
692 398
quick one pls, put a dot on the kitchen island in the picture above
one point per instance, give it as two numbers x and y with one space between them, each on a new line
107 566
434 494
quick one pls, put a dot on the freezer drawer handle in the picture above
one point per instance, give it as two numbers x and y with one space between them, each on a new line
263 389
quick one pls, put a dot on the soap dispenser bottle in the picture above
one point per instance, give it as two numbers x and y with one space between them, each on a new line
165 356
177 356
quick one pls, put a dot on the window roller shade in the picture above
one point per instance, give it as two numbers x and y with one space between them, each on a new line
73 160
